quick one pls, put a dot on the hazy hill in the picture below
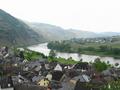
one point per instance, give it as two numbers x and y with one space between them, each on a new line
14 31
109 33
52 32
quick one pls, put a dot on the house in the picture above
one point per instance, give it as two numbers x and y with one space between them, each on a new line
82 78
82 66
37 78
81 86
72 73
19 79
67 67
107 73
4 52
98 79
49 76
58 68
57 73
44 82
25 68
37 68
52 64
31 65
47 66
80 82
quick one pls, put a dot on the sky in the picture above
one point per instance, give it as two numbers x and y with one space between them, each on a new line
90 15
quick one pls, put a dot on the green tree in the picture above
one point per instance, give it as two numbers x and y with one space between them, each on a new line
99 65
52 54
103 48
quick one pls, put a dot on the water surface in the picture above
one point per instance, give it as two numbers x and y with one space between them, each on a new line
42 48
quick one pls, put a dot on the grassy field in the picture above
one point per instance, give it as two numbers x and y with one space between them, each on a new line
63 61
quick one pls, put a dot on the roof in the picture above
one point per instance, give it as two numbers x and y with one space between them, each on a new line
19 79
38 68
58 68
49 76
44 83
37 78
57 75
107 73
82 78
81 65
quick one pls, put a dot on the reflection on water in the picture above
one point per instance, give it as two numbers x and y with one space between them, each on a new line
88 58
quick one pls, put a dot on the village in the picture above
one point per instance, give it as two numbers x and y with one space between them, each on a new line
17 73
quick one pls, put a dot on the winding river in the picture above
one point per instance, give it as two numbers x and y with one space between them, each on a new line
42 48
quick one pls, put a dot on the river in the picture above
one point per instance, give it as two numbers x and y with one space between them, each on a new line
42 48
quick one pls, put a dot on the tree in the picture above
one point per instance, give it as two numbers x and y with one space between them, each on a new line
99 65
52 53
81 60
116 51
103 48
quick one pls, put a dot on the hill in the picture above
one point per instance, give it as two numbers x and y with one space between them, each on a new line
15 31
52 32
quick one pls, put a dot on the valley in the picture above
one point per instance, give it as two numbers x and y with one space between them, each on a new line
41 56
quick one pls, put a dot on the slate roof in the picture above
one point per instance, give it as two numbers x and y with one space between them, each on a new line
57 75
58 68
82 78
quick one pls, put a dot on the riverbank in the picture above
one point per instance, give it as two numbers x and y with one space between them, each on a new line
100 49
101 54
42 48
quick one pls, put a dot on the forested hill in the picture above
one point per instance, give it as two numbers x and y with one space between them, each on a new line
14 31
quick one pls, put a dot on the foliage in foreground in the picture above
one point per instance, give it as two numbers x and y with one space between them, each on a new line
62 60
100 65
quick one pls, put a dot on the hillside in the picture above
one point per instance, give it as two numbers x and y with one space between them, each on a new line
14 31
52 32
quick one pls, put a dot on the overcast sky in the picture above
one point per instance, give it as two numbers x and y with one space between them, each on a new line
91 15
